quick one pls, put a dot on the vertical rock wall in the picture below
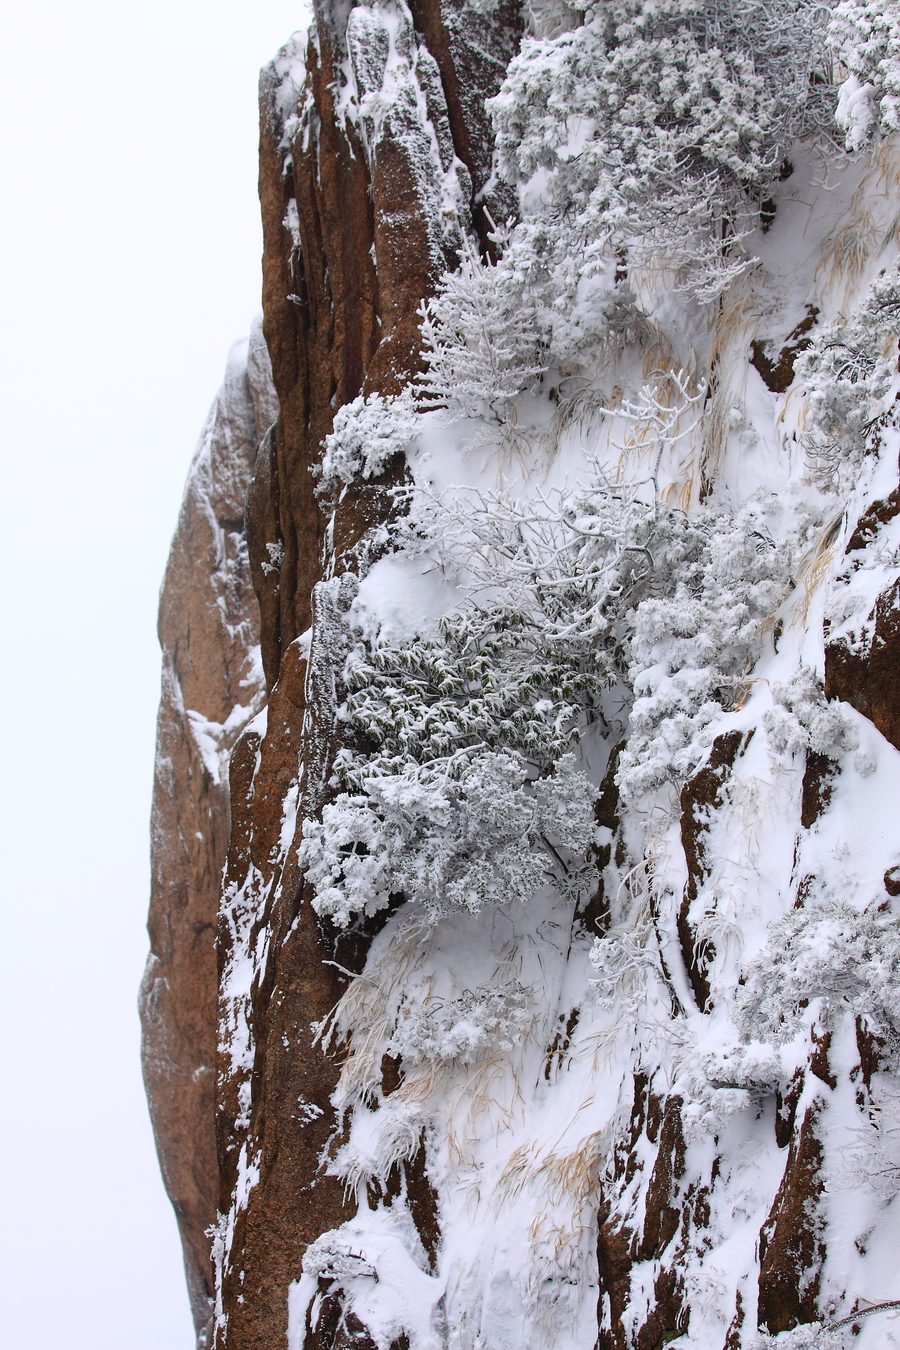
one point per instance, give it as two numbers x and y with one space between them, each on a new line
211 684
677 1193
371 161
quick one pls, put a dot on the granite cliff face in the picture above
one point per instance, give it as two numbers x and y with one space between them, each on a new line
212 684
361 215
617 1116
370 164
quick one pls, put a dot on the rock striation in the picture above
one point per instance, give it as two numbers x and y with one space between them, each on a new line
374 153
362 212
212 684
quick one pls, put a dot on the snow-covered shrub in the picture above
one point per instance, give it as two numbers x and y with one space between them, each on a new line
721 1083
465 832
643 140
391 1135
367 434
828 950
464 737
673 606
462 790
624 961
550 300
872 1160
850 371
490 679
573 564
865 38
461 1029
692 649
839 1335
480 340
655 129
813 1336
803 720
332 1257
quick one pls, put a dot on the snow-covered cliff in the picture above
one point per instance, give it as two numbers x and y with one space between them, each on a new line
558 959
212 684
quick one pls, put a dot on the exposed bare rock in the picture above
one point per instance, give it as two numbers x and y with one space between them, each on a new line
362 212
792 1247
864 670
211 685
868 675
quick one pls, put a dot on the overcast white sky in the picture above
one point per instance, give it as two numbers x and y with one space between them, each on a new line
129 247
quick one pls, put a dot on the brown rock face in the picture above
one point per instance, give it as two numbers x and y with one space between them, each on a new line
867 674
791 1246
354 237
869 677
209 631
670 1211
356 234
700 796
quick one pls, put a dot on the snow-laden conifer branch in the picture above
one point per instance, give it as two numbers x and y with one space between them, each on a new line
850 372
652 131
865 38
480 340
465 736
367 434
802 719
827 950
839 1335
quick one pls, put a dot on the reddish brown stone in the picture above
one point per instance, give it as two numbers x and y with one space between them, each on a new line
790 1243
663 1210
341 317
614 1262
594 917
733 1339
208 628
786 1109
341 299
876 514
874 1052
410 1182
700 796
818 785
669 1316
778 372
868 677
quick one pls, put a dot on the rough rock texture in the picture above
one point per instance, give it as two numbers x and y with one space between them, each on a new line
211 684
868 677
700 796
362 212
360 216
